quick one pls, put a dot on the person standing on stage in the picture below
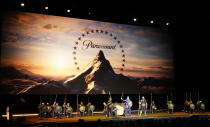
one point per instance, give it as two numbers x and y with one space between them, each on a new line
109 107
41 112
69 110
200 106
186 106
49 109
82 109
170 107
105 109
89 109
39 108
153 107
143 106
192 107
127 105
53 109
64 109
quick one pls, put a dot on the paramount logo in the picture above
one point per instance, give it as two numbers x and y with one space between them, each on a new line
89 43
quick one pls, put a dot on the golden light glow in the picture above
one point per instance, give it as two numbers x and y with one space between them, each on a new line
151 21
135 19
167 24
35 114
46 8
60 63
22 4
20 115
68 10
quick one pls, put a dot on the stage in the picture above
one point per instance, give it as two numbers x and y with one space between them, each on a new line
161 118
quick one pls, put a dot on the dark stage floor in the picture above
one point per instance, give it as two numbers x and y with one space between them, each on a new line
157 119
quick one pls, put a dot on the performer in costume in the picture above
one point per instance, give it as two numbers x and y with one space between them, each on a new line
44 110
58 111
69 110
88 108
200 106
53 110
127 105
186 106
170 107
192 107
41 112
82 109
105 108
143 106
109 107
49 109
64 109
153 107
39 108
91 108
115 109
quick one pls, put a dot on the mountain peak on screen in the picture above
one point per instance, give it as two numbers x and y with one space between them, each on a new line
99 57
100 63
98 77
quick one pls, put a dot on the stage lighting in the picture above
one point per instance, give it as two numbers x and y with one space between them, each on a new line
151 21
68 10
46 8
135 19
22 4
167 24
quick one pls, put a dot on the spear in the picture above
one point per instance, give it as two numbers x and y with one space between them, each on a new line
139 104
151 102
65 99
122 94
40 100
190 96
50 99
110 95
151 97
167 103
77 104
55 98
186 96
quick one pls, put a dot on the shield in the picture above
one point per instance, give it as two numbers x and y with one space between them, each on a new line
49 108
69 110
171 106
92 108
130 104
154 107
120 108
202 106
44 109
110 105
82 109
192 106
58 109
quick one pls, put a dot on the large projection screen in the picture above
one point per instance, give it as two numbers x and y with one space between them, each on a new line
45 54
